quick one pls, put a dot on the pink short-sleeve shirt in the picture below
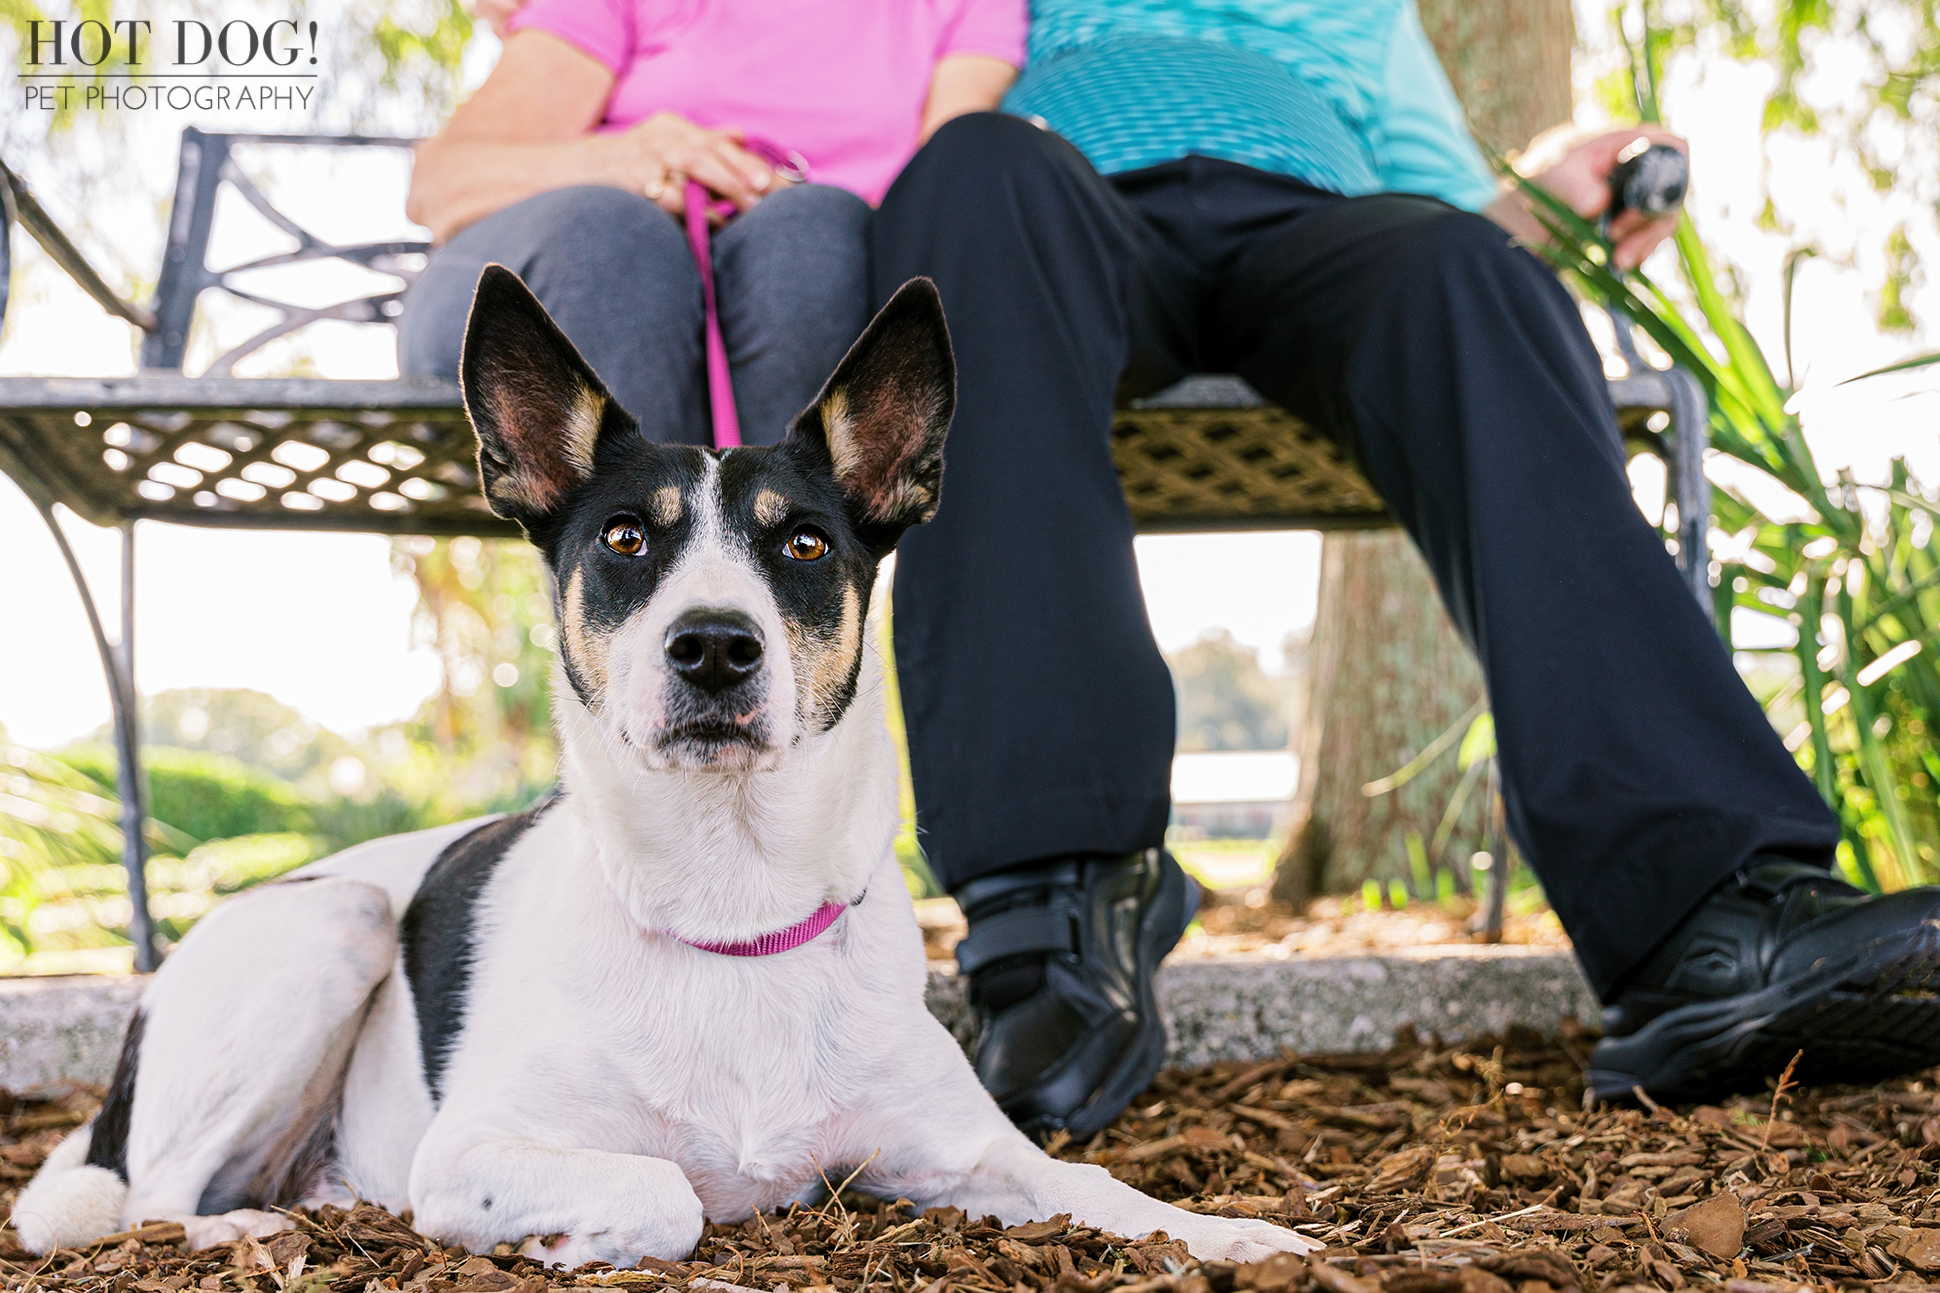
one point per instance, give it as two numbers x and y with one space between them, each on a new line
842 82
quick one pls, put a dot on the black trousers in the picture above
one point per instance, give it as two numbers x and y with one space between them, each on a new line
1637 769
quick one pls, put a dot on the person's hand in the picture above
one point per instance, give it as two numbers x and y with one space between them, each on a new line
1579 175
496 13
659 156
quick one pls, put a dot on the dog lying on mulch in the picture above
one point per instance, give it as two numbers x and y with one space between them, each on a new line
682 988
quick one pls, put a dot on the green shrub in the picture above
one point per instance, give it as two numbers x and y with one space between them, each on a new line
346 821
230 865
207 796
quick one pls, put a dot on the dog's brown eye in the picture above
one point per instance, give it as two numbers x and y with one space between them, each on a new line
625 538
806 545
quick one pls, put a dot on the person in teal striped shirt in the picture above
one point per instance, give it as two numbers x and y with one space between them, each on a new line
1346 96
1287 190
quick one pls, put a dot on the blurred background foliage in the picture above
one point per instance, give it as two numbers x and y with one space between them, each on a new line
1228 701
1885 54
484 608
242 788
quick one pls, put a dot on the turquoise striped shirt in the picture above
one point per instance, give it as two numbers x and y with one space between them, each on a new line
1346 95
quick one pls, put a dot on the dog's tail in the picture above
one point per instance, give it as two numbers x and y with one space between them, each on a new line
80 1192
69 1202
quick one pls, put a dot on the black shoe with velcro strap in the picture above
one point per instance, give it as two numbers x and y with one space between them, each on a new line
1060 958
1782 958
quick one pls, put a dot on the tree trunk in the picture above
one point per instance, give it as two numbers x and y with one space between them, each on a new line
1389 674
1509 61
1388 671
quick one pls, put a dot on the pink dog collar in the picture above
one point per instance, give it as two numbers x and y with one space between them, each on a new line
782 940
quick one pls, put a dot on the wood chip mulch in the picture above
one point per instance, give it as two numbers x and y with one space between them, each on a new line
1430 1169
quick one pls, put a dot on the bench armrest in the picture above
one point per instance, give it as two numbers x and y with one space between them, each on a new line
22 208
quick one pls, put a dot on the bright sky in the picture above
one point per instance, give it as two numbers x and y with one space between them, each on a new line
320 622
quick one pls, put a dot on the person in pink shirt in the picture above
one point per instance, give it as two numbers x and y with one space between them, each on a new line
570 164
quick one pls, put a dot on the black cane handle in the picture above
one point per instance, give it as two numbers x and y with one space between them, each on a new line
1651 181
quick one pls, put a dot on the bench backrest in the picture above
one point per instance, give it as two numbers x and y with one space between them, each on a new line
205 165
1207 454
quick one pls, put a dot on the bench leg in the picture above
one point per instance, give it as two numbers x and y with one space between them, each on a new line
118 664
1690 431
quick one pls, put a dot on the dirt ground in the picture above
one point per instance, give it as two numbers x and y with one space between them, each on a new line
1431 1169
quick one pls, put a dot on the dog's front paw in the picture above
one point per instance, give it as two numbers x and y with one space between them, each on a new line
623 1251
666 1227
1228 1240
565 1251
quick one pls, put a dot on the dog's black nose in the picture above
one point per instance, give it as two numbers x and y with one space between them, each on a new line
714 650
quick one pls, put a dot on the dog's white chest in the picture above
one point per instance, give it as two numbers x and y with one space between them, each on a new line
763 1168
751 1074
757 1100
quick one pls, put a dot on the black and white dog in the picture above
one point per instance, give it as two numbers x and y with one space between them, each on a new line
684 987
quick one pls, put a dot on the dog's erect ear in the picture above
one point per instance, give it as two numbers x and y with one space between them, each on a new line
535 404
884 413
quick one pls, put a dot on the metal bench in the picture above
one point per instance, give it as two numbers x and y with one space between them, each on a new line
397 457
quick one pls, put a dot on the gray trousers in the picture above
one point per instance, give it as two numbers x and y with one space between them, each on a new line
791 278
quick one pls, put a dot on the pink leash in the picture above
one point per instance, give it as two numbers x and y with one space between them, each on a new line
720 379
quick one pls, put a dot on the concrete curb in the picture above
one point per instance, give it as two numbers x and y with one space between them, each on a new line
1245 1008
57 1028
1216 1008
1253 1007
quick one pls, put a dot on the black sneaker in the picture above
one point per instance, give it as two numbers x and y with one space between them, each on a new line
1784 957
1060 959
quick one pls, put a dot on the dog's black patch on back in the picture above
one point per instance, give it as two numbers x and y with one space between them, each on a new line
437 932
108 1141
